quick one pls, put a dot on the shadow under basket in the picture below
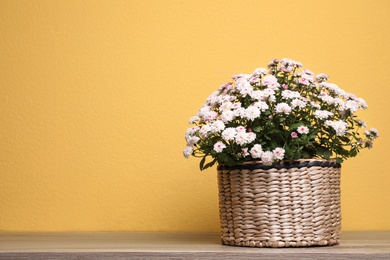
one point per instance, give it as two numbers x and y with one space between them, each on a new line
293 204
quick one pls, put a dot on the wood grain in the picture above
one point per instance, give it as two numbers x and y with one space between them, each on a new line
108 245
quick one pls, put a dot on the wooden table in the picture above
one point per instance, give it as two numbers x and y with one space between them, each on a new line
354 245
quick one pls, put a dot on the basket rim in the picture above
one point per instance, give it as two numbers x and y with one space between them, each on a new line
301 163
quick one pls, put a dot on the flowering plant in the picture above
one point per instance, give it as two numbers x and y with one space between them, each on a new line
280 113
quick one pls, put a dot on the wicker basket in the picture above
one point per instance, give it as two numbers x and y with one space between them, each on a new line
287 205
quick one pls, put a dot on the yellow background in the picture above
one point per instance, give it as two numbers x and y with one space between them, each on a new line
95 97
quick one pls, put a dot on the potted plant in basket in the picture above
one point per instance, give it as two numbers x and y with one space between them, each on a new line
279 136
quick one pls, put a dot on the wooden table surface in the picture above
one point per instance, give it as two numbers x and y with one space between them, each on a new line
110 245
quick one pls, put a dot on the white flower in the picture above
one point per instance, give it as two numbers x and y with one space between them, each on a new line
268 92
287 62
213 99
252 112
204 110
283 108
340 127
225 106
257 94
361 123
373 133
273 85
295 64
339 102
350 96
303 129
338 91
225 87
204 131
362 103
210 116
243 86
250 137
322 114
326 98
286 94
272 99
229 134
332 88
352 105
256 151
322 77
273 63
328 123
236 105
227 116
261 105
188 151
217 126
191 140
305 80
239 112
241 138
192 130
278 153
259 72
244 152
254 79
269 80
308 72
267 158
240 128
307 77
246 91
237 76
287 65
226 98
193 119
298 103
315 105
219 146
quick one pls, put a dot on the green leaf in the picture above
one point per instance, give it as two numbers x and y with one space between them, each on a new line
297 155
294 126
344 139
210 164
321 151
256 129
202 163
353 152
305 155
222 157
327 154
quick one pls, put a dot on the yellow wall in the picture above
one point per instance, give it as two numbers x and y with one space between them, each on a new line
95 97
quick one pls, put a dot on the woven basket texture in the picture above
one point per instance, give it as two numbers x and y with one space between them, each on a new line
288 205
